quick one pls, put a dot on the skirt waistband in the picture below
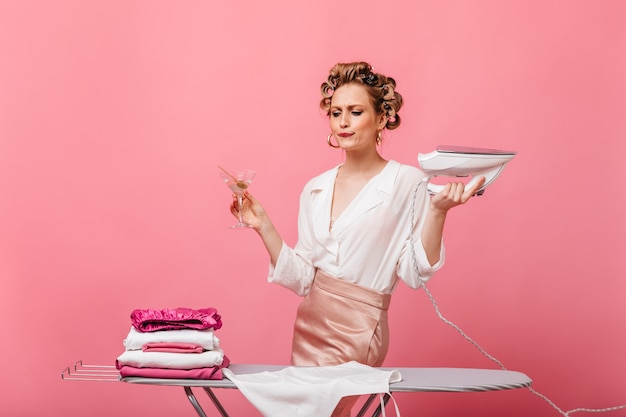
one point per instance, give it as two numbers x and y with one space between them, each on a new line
352 291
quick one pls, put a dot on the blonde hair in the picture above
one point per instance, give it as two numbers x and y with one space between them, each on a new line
380 88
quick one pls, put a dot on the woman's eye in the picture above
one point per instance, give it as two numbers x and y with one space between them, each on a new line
356 113
336 114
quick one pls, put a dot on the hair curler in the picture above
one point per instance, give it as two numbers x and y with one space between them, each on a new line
461 161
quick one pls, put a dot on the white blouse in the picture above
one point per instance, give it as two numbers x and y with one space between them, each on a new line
370 242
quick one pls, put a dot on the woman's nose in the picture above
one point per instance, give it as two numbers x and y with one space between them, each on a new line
344 121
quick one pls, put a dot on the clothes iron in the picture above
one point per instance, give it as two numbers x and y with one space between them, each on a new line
460 161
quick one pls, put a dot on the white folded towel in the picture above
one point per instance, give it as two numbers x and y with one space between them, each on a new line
205 338
167 360
311 391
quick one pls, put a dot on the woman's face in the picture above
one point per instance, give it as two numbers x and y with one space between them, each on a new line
353 120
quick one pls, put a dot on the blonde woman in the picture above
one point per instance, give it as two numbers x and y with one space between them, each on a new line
362 227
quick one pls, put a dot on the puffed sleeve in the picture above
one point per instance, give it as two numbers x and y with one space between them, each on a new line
294 269
413 250
406 269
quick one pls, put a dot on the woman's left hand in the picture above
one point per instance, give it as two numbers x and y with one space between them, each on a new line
454 194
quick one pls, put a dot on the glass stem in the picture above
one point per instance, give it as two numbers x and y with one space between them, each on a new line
240 202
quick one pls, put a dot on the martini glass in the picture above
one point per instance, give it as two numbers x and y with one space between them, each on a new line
238 181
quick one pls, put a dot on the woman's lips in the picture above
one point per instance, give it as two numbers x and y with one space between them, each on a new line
345 135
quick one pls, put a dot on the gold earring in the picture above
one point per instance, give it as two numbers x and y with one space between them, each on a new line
330 143
379 138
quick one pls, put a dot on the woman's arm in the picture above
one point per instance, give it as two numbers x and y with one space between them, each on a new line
255 216
452 195
289 267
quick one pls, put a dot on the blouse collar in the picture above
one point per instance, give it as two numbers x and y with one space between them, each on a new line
368 198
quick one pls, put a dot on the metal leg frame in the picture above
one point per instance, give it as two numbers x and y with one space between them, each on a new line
368 403
196 405
216 402
218 405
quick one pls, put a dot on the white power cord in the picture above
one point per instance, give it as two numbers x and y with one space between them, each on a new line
469 339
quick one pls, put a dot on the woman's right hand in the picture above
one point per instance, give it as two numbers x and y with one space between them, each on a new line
256 217
253 214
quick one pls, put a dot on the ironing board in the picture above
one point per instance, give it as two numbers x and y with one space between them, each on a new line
413 380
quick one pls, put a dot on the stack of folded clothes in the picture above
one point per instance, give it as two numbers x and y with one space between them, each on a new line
175 343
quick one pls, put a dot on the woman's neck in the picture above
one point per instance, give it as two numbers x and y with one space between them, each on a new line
366 165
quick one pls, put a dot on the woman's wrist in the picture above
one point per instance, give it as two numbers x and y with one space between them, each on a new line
437 212
265 228
271 239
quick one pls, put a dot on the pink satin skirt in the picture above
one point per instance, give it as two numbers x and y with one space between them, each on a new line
338 322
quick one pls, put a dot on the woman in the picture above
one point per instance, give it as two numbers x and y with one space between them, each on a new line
362 226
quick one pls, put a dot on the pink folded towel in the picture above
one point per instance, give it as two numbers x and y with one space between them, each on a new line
172 347
150 320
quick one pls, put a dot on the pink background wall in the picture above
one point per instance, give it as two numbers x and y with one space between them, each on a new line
115 114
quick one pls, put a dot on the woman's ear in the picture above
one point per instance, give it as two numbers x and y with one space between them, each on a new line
383 121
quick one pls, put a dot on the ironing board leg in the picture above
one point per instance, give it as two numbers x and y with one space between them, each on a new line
366 405
216 402
194 401
218 405
377 412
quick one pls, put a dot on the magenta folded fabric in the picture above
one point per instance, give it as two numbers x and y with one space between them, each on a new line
172 347
150 320
214 372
